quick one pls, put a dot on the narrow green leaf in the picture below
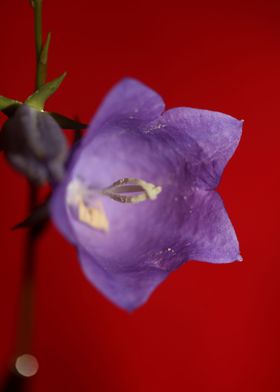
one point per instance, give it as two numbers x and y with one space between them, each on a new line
10 110
43 62
39 98
45 50
6 102
67 123
37 219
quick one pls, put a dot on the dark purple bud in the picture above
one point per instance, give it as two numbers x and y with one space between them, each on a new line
35 145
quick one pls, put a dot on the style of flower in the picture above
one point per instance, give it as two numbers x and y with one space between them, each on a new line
139 198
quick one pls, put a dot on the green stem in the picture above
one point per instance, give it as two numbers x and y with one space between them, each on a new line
25 324
23 361
27 297
27 304
38 5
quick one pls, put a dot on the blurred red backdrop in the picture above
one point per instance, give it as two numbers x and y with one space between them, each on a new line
208 327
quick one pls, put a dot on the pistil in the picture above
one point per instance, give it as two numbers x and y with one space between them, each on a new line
141 190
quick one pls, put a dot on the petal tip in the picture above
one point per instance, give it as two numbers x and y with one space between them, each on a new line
129 82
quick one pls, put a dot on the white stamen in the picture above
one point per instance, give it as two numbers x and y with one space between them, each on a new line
93 215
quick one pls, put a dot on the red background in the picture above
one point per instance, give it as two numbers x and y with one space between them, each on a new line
208 327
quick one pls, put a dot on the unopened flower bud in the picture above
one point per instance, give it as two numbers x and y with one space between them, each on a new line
34 145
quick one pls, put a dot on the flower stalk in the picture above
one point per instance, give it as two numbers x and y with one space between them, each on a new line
27 299
25 365
37 5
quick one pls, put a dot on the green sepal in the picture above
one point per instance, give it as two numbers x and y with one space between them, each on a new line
5 103
9 111
67 123
8 107
37 219
39 98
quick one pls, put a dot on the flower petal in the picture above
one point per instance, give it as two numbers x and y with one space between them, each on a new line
58 200
209 138
134 229
129 101
184 152
128 289
59 212
209 230
203 233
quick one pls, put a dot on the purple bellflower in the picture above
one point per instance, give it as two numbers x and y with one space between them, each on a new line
139 198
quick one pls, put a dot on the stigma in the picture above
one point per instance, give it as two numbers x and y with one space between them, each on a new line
88 205
132 190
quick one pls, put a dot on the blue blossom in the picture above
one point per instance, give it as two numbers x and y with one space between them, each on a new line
139 198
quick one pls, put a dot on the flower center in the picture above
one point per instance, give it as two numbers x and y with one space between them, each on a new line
89 207
132 190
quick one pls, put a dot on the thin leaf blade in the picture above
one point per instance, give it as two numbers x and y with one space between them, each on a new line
5 103
37 219
68 123
39 98
43 61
